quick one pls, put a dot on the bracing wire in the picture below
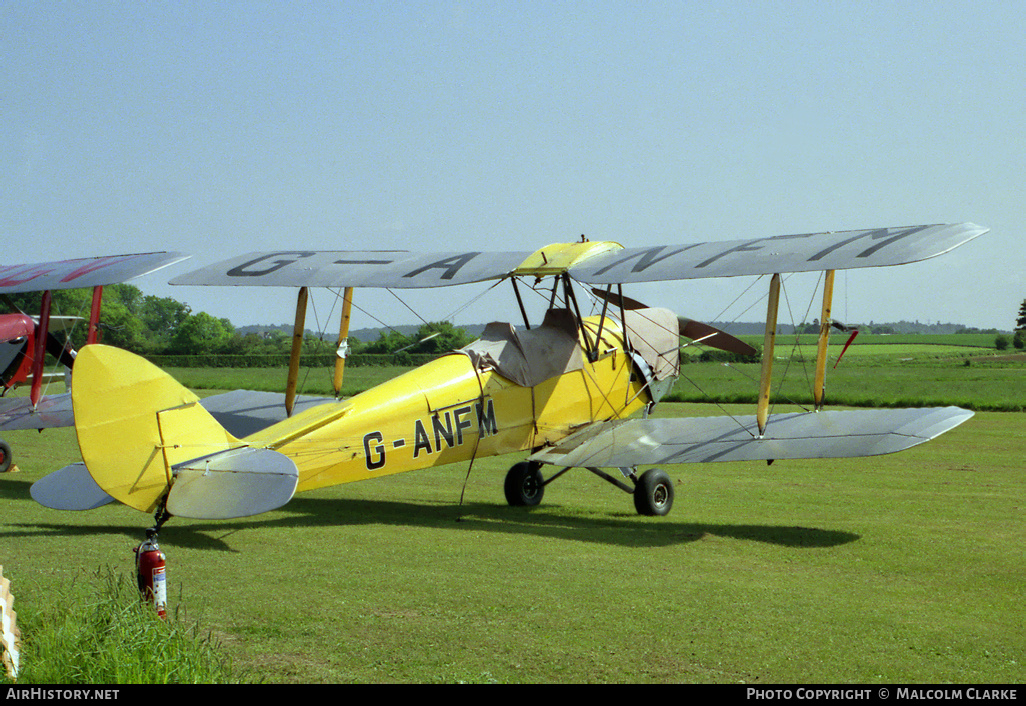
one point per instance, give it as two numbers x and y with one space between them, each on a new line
412 311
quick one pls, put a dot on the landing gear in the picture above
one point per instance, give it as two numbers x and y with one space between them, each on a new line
5 456
652 491
524 484
653 494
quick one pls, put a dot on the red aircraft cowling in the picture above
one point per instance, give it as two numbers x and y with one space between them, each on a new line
17 348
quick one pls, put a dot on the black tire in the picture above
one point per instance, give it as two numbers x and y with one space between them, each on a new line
524 484
653 495
5 456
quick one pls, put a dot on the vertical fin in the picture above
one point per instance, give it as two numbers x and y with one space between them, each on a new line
134 422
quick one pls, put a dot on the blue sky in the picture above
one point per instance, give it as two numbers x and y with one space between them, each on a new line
220 128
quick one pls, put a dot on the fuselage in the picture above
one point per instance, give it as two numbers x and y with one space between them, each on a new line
454 409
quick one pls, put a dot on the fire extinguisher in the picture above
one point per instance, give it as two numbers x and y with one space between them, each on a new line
150 568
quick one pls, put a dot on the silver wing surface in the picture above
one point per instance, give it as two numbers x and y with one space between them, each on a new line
401 269
245 412
351 268
52 411
842 434
242 412
88 272
69 488
810 252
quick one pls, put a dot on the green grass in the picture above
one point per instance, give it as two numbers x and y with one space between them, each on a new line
865 341
926 383
903 568
100 632
885 374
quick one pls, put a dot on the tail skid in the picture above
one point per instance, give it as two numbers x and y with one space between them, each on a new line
147 441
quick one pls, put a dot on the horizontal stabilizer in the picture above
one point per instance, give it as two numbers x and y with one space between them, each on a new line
840 434
69 488
236 483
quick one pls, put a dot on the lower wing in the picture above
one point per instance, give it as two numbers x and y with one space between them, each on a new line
52 411
840 434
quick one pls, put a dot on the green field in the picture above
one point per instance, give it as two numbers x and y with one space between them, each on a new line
878 371
901 568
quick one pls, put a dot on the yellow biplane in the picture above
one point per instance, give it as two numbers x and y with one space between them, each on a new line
569 391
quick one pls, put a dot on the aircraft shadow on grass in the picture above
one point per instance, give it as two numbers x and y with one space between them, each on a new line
317 512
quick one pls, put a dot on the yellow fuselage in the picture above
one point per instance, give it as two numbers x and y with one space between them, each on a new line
448 412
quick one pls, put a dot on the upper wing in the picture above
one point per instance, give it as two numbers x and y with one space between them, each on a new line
351 268
844 434
783 253
88 272
598 262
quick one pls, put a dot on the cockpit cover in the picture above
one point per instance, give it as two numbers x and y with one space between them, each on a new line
531 356
654 335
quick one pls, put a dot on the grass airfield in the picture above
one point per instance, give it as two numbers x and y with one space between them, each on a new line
893 569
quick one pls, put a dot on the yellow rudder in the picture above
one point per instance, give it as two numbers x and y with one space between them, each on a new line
135 422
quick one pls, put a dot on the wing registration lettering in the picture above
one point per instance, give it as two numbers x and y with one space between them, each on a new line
645 258
364 262
398 269
449 265
888 235
246 268
808 252
748 246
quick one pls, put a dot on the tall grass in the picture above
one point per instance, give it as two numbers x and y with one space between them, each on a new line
100 632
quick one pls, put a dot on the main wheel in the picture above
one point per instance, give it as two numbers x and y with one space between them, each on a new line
5 456
524 484
653 495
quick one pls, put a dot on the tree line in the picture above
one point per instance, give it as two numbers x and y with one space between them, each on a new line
167 329
163 328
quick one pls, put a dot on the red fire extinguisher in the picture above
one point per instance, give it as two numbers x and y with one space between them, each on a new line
150 568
